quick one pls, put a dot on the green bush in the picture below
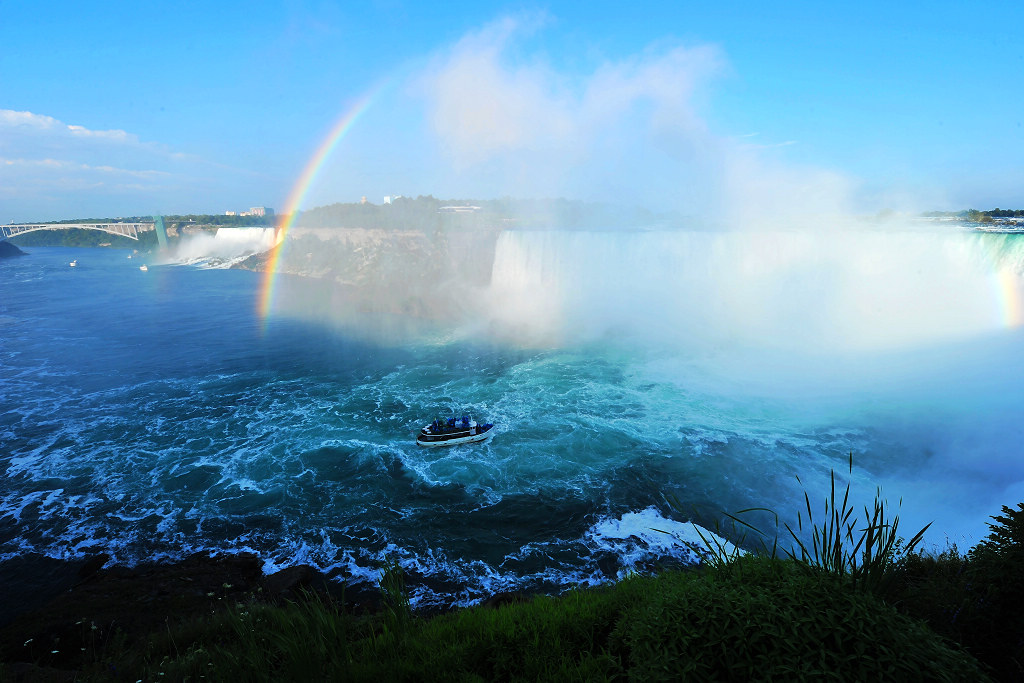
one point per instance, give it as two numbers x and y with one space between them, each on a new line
779 622
764 619
975 598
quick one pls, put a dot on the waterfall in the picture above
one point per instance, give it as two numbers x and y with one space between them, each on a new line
834 289
226 247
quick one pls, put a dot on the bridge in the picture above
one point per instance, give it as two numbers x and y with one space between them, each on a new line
129 230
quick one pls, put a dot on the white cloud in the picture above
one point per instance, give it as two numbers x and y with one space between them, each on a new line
56 164
113 135
27 123
764 145
51 169
11 119
48 165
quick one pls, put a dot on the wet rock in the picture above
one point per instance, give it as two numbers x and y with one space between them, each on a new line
88 604
92 565
638 541
134 601
287 580
30 581
608 564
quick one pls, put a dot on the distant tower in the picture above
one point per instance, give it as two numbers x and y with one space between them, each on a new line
363 200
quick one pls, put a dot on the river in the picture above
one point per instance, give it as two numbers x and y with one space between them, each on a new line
639 383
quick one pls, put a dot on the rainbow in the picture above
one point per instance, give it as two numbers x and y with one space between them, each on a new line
301 188
1009 297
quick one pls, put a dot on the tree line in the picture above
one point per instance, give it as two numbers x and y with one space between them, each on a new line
976 216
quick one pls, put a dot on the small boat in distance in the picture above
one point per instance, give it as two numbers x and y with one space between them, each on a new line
73 263
454 431
143 267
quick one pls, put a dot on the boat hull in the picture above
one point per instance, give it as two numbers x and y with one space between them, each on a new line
455 440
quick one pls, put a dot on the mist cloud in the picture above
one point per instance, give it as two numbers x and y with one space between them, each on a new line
629 130
483 104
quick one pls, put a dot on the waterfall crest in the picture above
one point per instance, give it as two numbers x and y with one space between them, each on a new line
844 290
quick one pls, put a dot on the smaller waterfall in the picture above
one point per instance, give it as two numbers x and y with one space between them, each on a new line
223 249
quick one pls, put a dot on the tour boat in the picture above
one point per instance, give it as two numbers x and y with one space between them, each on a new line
454 431
143 267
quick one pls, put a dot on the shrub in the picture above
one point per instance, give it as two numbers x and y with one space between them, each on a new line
863 553
781 623
975 598
866 556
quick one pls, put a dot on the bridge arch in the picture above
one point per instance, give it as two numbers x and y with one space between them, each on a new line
129 230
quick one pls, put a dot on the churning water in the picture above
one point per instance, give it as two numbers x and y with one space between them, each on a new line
153 414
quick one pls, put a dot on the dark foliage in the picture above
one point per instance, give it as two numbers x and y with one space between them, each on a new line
762 619
974 599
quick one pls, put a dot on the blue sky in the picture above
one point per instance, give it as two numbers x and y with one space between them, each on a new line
110 109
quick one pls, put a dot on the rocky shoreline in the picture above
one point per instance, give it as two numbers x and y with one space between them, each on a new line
43 636
8 250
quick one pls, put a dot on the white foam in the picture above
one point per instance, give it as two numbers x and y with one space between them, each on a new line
14 505
647 534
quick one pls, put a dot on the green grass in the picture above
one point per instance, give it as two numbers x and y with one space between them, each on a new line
766 619
862 552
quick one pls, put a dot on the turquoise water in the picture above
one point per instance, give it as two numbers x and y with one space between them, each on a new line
153 414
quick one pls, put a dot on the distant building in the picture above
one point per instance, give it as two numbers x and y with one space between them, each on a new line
458 209
391 197
363 200
254 211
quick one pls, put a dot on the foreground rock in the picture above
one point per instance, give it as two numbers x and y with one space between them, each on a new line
8 250
135 602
